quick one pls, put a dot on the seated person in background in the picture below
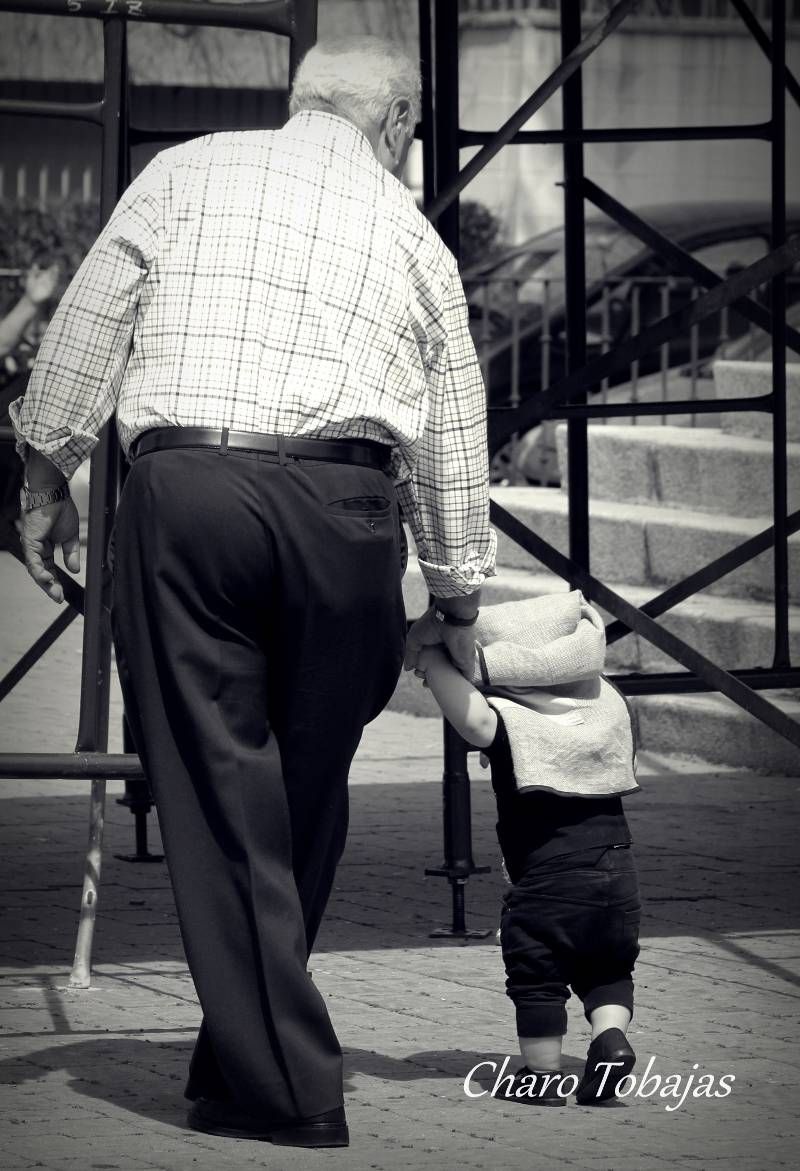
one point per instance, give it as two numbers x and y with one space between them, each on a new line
21 330
559 738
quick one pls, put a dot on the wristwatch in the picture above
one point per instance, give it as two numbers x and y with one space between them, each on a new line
30 498
440 615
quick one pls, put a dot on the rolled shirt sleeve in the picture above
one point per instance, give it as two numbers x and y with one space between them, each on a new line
80 365
446 504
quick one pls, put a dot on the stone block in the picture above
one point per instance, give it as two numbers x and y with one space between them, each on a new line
714 729
749 380
683 542
680 467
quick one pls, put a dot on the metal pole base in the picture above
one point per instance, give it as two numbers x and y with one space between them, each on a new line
139 857
137 798
451 933
458 928
140 820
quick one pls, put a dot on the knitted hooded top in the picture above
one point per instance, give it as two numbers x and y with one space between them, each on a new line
539 665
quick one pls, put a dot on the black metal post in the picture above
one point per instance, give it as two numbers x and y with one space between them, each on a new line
575 292
426 122
96 666
441 169
303 33
782 656
446 114
96 663
138 798
458 863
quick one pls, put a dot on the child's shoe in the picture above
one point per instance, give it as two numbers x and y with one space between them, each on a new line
534 1087
599 1081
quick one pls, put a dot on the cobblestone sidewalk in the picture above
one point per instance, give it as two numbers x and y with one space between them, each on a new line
94 1079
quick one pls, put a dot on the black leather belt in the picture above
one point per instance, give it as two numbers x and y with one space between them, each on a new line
348 451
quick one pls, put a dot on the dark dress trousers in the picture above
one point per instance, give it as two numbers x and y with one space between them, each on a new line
259 625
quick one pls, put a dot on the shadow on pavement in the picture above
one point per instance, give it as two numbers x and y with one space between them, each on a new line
717 855
133 1074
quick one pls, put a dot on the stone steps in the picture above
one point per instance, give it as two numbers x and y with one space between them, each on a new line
699 467
646 544
747 380
664 501
714 729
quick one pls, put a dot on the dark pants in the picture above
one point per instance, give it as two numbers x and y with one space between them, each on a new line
253 598
11 478
574 920
11 467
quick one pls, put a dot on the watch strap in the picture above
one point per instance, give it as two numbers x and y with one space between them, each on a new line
31 498
453 619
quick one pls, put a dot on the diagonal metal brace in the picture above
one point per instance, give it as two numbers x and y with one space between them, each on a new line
733 289
73 590
571 64
34 653
684 263
765 44
716 677
706 576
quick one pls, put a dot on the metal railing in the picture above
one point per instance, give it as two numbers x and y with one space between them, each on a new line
529 332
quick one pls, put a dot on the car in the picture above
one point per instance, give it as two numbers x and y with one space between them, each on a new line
517 310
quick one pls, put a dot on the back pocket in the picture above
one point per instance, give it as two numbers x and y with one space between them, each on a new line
370 506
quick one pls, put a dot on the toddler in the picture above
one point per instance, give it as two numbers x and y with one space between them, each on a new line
560 742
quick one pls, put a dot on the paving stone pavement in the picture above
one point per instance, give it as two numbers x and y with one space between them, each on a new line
93 1079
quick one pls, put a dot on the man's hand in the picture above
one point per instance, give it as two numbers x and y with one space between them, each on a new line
43 529
426 631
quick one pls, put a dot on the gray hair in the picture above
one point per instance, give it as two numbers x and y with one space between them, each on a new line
357 77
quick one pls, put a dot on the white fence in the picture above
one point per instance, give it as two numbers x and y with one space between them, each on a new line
45 185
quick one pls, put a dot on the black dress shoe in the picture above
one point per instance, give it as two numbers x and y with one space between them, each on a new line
534 1087
599 1081
320 1130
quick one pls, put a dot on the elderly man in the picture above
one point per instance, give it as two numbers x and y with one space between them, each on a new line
284 340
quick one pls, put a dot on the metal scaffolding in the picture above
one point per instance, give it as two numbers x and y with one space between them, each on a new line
567 399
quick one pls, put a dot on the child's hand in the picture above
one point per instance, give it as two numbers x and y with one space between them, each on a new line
436 654
428 656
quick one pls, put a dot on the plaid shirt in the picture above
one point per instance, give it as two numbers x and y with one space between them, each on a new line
283 282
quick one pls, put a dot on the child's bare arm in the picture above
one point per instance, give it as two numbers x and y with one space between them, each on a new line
461 703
